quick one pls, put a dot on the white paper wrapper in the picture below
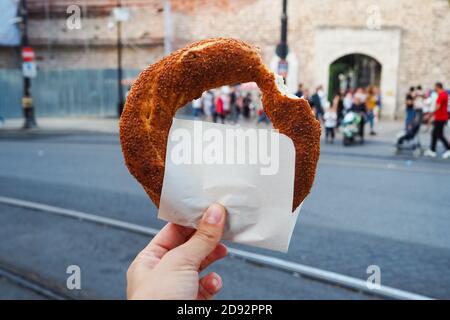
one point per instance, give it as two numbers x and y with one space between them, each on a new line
258 205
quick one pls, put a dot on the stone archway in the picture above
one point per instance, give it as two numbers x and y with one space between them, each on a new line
353 71
382 45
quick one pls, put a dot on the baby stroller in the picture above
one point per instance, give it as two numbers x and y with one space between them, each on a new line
409 141
351 125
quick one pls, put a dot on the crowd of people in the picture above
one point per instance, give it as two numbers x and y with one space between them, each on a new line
364 101
230 104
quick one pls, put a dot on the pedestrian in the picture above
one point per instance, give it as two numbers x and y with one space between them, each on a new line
409 107
419 102
225 95
323 99
307 97
371 103
169 267
234 109
240 102
360 94
208 103
338 104
317 103
379 102
246 105
219 112
299 92
440 120
360 108
330 121
429 107
348 101
197 107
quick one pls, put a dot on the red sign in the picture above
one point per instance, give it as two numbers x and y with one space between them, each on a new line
27 54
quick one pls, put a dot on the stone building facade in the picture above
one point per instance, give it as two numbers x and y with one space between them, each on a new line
409 38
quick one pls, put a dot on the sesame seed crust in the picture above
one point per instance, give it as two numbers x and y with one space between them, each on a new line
169 84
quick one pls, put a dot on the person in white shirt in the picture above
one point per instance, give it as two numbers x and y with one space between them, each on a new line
208 103
419 102
330 121
197 107
360 94
348 101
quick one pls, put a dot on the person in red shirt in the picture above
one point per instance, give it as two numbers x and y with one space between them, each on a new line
440 119
219 112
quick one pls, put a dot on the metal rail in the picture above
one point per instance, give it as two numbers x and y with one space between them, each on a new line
30 283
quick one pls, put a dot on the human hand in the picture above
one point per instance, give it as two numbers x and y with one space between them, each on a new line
169 267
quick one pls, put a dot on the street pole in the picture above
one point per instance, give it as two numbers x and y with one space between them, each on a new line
282 48
27 101
168 34
120 102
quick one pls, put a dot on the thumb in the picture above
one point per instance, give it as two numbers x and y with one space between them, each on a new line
207 236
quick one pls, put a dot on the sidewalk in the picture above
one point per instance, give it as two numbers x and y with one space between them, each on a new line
101 125
378 146
386 130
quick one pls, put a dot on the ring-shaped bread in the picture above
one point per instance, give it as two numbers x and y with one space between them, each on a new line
169 84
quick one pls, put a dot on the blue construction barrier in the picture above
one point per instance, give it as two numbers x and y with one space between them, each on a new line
63 93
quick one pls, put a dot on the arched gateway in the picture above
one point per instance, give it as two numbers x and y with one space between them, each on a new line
353 71
354 46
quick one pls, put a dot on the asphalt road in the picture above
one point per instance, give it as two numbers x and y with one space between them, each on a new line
367 207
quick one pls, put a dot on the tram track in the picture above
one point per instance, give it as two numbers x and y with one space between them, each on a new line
296 269
32 282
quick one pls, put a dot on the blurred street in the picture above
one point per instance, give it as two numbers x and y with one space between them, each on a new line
367 207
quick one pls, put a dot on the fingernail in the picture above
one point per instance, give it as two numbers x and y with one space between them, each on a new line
214 214
216 281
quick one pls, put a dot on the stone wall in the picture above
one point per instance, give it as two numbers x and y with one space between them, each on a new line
423 26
